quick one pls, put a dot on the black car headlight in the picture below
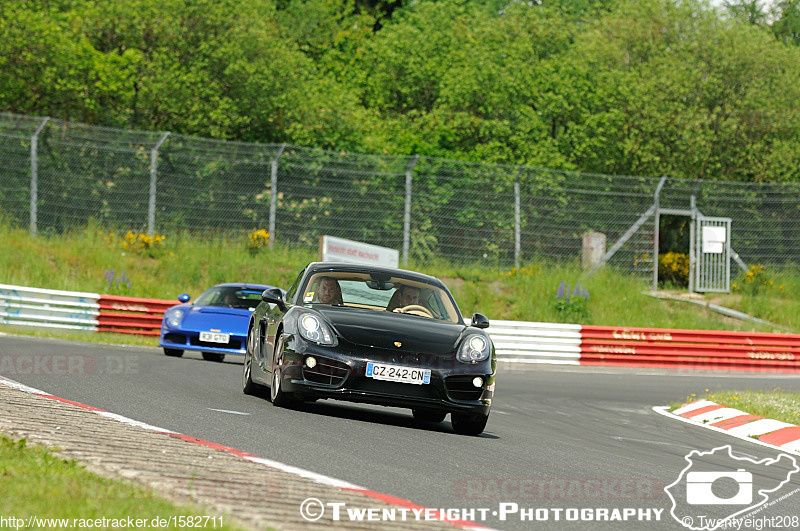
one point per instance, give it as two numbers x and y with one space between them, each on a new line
474 349
314 329
174 317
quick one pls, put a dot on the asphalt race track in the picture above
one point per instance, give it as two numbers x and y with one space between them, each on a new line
558 438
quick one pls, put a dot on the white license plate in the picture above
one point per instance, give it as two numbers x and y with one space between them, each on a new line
395 373
214 337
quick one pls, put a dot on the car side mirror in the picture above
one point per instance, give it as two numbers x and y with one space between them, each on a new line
275 296
480 321
184 297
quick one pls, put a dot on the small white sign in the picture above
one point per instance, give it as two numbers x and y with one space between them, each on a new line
340 250
714 239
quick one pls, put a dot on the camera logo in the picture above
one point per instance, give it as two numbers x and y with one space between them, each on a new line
699 488
716 487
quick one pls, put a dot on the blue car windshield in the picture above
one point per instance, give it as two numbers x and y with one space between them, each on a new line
229 297
396 294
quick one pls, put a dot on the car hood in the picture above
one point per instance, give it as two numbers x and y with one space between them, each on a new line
386 329
227 320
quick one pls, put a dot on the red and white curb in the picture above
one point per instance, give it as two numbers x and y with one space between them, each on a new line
313 476
739 424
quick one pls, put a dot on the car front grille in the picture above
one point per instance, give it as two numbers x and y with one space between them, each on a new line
326 372
234 344
370 385
178 339
461 388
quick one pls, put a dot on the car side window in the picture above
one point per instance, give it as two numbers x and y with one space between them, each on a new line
293 290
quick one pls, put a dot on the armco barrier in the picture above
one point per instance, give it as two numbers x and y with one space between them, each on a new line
697 349
23 306
515 341
130 315
532 342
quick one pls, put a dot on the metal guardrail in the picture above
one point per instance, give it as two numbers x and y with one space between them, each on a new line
23 306
515 341
532 342
131 315
695 349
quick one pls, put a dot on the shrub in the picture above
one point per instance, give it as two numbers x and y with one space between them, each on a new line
673 267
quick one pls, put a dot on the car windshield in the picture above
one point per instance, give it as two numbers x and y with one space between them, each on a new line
230 297
392 293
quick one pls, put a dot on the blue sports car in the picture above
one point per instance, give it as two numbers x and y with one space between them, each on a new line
216 324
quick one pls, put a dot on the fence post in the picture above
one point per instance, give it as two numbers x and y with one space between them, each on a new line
35 173
517 223
407 216
273 196
656 202
151 215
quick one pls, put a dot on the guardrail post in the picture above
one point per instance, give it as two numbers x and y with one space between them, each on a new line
273 196
151 215
35 173
407 215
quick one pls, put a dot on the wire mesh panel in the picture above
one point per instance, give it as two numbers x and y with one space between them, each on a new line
463 211
15 166
89 172
213 186
358 198
558 208
765 218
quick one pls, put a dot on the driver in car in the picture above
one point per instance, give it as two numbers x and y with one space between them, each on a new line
408 295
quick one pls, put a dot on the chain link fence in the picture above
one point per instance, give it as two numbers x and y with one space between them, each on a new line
56 175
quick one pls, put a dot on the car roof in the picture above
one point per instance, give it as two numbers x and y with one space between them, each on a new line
316 267
244 285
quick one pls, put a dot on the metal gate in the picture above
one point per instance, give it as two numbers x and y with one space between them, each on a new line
711 250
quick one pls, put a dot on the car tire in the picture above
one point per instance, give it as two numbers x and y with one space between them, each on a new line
249 387
278 396
174 352
465 424
426 415
213 356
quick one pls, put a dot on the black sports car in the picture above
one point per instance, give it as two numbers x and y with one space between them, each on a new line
376 335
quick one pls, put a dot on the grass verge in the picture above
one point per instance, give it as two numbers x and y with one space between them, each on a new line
61 493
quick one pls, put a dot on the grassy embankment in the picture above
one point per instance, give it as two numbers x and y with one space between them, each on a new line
83 260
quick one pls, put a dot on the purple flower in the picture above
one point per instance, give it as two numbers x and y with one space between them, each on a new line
561 289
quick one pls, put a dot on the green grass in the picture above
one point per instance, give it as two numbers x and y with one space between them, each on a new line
83 259
776 404
37 483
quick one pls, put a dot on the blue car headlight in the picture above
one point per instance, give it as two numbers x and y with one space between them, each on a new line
174 317
315 329
474 349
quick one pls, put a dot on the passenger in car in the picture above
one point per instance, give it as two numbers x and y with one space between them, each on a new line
329 291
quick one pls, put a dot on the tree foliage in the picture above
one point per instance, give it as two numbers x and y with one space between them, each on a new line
653 87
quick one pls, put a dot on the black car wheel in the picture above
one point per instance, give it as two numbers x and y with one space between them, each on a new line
464 424
173 352
424 415
213 356
278 396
